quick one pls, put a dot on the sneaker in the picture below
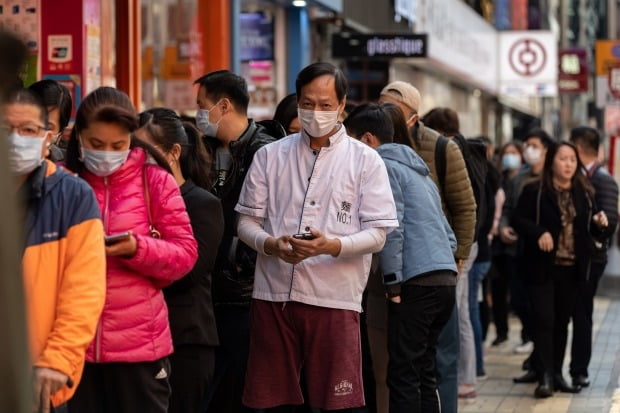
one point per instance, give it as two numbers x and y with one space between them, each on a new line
524 348
481 375
499 340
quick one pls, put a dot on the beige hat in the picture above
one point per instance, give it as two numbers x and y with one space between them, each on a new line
403 92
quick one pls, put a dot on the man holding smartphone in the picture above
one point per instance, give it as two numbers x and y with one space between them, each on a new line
308 292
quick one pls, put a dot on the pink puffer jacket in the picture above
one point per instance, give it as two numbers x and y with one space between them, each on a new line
134 324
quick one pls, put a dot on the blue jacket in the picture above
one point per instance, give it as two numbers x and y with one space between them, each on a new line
423 241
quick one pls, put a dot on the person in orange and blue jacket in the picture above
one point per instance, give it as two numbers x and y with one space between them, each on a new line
64 256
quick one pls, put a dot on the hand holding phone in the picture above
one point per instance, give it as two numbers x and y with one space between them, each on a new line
116 238
306 236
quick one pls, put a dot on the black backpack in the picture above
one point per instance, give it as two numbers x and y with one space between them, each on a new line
474 155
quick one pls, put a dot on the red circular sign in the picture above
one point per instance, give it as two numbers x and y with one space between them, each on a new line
527 57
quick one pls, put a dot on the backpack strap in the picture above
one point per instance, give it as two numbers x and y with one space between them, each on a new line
440 161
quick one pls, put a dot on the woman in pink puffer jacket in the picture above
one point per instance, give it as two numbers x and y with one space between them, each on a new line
126 365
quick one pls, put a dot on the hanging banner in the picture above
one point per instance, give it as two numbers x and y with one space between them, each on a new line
573 71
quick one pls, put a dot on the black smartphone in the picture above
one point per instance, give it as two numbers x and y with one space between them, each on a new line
306 236
115 238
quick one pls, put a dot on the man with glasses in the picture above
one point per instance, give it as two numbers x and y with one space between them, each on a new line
64 258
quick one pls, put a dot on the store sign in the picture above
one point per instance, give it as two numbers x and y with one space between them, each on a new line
607 59
460 41
528 63
256 40
573 71
346 45
614 81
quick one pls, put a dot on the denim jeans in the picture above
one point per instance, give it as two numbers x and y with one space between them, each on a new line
476 275
414 325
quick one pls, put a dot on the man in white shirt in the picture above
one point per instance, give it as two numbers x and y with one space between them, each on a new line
315 206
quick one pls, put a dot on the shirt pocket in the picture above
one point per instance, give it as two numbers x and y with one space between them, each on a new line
343 217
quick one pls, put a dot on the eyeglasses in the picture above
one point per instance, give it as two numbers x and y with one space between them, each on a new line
28 130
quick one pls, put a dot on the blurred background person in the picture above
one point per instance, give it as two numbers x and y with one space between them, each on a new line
587 140
127 367
535 149
557 223
57 99
503 272
190 305
286 114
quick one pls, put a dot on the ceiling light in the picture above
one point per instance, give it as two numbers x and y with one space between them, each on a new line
299 3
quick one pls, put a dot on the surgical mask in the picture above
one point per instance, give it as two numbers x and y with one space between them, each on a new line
204 124
25 153
532 155
511 161
103 163
317 123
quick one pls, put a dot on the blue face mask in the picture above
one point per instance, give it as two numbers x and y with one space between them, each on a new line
204 124
103 163
511 161
25 153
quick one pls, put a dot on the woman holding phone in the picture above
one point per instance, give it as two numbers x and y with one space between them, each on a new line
556 219
150 245
190 305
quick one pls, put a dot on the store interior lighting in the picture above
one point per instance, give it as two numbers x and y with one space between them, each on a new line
299 3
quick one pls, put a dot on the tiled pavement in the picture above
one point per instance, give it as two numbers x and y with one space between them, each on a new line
499 394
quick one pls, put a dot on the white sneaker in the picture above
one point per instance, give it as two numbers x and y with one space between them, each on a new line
524 348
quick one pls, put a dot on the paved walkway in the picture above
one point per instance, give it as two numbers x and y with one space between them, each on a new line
499 394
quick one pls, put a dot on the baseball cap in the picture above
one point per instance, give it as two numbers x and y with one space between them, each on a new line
403 92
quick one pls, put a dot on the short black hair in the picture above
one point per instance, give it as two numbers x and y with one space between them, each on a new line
544 137
311 72
28 97
55 95
226 84
587 138
370 117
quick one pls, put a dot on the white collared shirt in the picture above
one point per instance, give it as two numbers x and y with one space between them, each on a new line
341 190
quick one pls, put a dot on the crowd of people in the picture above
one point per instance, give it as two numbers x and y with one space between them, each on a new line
339 257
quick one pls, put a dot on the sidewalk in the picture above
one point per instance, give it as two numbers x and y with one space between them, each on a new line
499 394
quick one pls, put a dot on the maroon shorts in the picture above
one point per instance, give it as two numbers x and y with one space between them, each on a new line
286 336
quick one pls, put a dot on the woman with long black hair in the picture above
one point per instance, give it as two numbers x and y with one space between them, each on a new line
190 306
556 219
149 245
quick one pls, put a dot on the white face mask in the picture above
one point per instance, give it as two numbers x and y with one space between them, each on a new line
532 155
204 124
25 153
317 123
103 163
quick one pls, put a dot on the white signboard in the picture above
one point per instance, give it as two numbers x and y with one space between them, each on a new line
528 63
460 40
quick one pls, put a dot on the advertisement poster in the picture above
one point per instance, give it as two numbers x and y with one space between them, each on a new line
256 36
74 84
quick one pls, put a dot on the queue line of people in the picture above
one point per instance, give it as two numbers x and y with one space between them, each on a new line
213 245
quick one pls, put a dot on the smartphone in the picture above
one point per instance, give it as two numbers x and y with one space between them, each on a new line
115 238
306 236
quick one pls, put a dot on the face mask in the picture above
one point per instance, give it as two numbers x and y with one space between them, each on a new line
103 163
317 123
511 161
204 124
532 155
24 153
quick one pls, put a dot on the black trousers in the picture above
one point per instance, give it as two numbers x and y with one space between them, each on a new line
231 359
414 326
503 270
553 302
123 388
192 374
581 349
